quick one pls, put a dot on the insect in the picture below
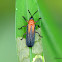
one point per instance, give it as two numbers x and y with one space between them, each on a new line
30 30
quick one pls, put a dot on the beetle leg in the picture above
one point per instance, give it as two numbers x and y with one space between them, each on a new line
22 26
24 18
37 25
38 20
23 36
39 34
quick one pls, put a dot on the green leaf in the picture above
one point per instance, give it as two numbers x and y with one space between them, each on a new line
22 7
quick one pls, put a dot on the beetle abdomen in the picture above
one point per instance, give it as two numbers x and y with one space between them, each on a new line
30 37
30 43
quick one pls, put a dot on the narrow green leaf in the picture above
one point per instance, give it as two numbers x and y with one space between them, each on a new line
30 50
24 53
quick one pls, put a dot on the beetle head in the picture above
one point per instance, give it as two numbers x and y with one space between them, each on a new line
31 17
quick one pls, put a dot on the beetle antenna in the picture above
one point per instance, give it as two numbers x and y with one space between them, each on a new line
29 12
35 12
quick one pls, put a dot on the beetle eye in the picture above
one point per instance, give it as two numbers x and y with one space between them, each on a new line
31 18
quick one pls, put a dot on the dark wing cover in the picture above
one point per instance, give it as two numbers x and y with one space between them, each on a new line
30 37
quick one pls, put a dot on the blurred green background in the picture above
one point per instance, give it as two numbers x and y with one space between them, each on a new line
8 52
51 12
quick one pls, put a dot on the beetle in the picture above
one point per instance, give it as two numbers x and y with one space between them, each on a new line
30 30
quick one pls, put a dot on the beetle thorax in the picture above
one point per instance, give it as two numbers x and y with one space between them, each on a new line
31 22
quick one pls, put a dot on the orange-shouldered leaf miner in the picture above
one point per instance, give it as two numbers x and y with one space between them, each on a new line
30 31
